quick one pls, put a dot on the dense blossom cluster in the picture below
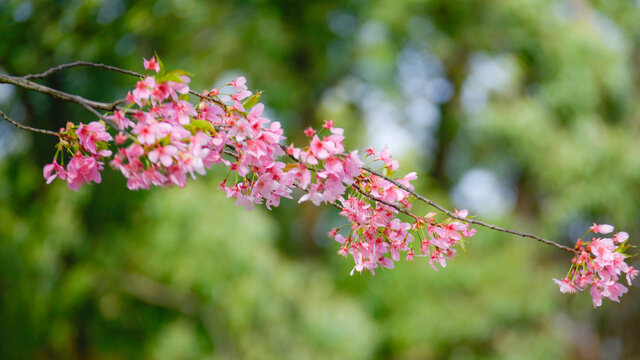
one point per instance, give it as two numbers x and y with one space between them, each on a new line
160 138
599 264
376 236
86 144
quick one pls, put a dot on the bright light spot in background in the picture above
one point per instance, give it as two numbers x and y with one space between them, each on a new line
486 74
111 10
406 123
126 45
23 12
383 127
6 92
482 193
373 33
423 115
342 23
13 140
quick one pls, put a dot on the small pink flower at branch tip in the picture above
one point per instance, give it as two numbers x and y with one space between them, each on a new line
151 64
601 229
385 156
239 83
370 152
620 237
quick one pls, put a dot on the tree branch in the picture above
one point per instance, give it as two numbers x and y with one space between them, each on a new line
30 85
399 209
471 221
28 128
93 106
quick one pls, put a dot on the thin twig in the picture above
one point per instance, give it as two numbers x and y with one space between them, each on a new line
471 221
29 128
106 67
398 208
80 63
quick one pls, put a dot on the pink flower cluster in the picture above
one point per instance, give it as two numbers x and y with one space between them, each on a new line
377 236
599 264
166 143
86 144
162 138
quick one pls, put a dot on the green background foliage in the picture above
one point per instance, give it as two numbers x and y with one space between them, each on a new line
524 111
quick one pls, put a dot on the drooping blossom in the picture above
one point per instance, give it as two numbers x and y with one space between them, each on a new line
599 265
53 171
83 169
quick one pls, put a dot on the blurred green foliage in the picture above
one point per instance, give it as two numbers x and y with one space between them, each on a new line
540 93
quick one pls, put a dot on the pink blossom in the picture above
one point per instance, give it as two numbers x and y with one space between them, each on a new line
152 64
599 264
352 165
601 229
328 124
164 154
121 138
52 171
566 286
143 90
183 110
321 149
620 237
239 83
314 195
309 132
631 274
92 133
82 169
120 119
385 156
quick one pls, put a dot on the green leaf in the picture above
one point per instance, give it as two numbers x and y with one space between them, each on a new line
174 75
251 101
203 125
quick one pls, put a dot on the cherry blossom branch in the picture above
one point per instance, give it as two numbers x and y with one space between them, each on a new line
469 220
201 134
174 138
28 128
443 209
90 105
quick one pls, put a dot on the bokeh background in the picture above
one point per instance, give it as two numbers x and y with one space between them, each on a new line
524 111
